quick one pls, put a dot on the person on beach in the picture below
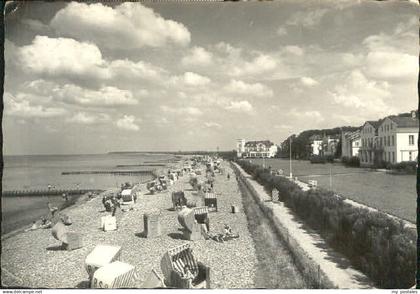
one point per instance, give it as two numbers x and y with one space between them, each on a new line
188 275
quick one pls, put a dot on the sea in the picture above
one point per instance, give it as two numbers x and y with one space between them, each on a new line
40 172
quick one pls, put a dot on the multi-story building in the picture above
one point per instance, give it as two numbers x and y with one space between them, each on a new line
350 143
329 145
398 137
369 152
240 147
256 149
316 144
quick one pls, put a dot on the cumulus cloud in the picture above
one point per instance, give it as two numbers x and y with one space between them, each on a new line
87 118
391 65
68 58
308 82
242 88
190 79
197 56
240 106
129 25
213 125
260 64
281 31
106 96
307 19
296 50
24 109
182 110
61 56
367 96
308 115
127 123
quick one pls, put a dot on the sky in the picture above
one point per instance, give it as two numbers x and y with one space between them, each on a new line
94 78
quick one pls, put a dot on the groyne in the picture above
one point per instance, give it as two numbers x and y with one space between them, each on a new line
50 192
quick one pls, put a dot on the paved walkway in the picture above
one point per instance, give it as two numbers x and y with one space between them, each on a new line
335 266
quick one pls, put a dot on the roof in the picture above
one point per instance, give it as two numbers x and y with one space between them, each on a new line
405 122
374 123
267 143
352 135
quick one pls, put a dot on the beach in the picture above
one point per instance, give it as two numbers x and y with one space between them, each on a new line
39 263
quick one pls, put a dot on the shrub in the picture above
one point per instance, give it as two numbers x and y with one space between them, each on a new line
407 167
376 244
353 161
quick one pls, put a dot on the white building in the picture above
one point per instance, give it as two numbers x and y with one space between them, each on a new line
398 137
316 144
369 153
240 147
255 149
350 143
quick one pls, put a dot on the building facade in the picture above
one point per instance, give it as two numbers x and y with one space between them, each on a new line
316 144
256 149
370 152
350 143
398 137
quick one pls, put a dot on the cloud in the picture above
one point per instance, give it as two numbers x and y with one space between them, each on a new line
281 31
391 65
307 19
190 79
130 70
197 56
127 123
61 56
260 64
182 111
296 50
126 26
307 115
213 125
24 109
369 98
106 96
80 61
240 106
308 82
87 118
242 88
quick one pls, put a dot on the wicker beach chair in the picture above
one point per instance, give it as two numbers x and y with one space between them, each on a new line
210 200
176 262
178 199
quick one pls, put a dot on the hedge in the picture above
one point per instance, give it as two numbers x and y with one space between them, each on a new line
353 161
321 158
376 244
406 167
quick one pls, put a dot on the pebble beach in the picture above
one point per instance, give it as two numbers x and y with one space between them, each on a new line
34 259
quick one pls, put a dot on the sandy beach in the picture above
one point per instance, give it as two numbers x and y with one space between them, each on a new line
37 261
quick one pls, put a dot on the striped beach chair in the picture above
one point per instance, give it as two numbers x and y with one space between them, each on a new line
210 200
114 275
174 264
201 215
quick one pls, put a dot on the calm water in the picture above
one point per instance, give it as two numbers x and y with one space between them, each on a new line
38 171
395 194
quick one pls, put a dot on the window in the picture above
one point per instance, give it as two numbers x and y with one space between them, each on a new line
410 158
393 156
380 141
411 140
392 138
389 141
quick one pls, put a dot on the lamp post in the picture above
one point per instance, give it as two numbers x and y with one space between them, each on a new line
290 162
